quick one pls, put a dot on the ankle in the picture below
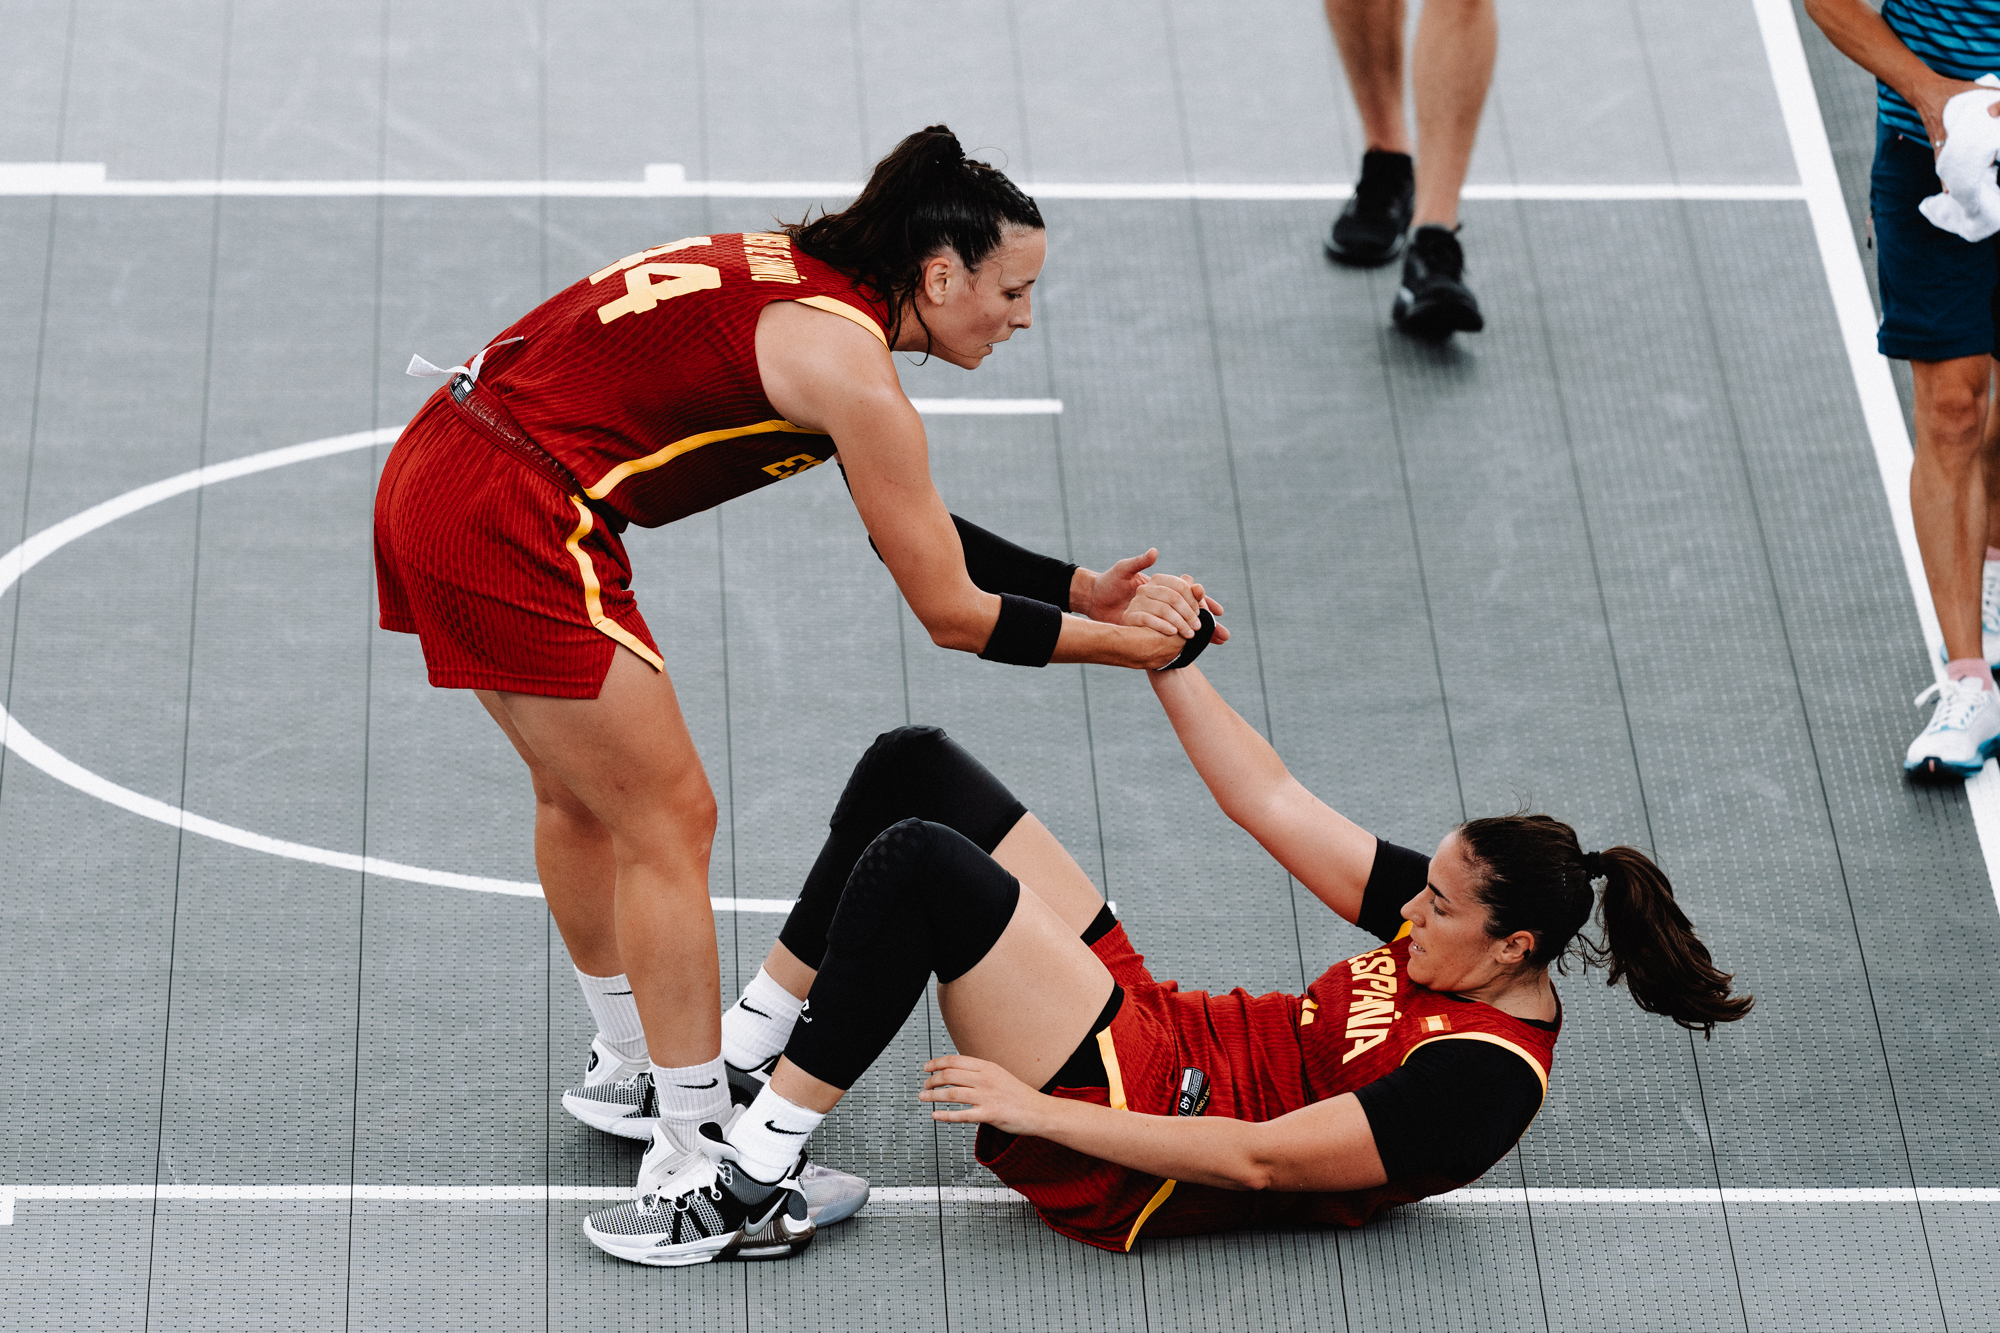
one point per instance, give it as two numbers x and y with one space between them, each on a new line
1970 668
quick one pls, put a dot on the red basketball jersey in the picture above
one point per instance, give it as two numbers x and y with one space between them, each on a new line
1271 1054
642 378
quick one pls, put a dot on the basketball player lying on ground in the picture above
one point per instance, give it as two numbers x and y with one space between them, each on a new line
1118 1103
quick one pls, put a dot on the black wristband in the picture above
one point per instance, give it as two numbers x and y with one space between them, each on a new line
1192 649
1025 634
998 565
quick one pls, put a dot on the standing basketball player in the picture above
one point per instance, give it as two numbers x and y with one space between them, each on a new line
661 385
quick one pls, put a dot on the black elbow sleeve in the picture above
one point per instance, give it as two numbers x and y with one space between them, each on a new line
998 565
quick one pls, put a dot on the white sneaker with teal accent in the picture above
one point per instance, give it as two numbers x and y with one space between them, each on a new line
1964 730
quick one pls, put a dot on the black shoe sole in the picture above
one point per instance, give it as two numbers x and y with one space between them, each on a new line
1434 321
1355 257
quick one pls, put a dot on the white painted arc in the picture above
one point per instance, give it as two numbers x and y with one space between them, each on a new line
33 750
1881 410
89 179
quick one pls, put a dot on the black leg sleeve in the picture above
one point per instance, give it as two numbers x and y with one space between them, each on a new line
908 773
922 899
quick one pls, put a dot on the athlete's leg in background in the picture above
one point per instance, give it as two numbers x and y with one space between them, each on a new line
628 761
1451 67
1949 486
1369 34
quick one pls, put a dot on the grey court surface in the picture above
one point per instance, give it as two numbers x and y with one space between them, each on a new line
1625 556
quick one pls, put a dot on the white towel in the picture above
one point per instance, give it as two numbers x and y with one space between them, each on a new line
1971 209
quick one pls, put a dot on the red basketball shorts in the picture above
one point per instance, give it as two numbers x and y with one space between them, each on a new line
509 583
1086 1198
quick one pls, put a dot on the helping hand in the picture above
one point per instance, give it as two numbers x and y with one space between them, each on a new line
1168 604
990 1095
1929 103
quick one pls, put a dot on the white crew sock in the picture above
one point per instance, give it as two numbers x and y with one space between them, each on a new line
759 1024
692 1097
770 1133
617 1014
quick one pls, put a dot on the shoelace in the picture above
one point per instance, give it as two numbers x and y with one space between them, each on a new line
1957 701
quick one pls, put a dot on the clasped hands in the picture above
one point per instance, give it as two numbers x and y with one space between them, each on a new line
1164 603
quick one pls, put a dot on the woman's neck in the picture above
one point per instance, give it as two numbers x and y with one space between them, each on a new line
1520 995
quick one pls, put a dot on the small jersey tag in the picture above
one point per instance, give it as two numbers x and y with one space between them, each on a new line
1193 1098
1436 1023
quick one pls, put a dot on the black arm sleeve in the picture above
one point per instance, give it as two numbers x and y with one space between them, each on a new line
1397 876
997 565
1453 1108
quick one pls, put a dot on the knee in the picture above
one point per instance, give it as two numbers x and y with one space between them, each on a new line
897 761
1950 411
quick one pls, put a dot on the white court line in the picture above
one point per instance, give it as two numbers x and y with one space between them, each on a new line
89 179
41 755
1855 310
959 1197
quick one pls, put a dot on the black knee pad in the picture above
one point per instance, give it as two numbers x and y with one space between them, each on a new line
922 899
924 888
921 773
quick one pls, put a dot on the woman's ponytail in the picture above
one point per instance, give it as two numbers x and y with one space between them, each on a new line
926 196
1535 877
1650 945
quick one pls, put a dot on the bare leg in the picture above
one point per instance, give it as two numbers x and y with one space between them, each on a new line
1948 490
1369 34
627 758
1455 47
1030 1001
1991 453
573 859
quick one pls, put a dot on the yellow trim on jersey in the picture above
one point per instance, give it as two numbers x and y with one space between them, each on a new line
609 481
593 603
1159 1197
1401 933
845 311
1533 1063
1113 1083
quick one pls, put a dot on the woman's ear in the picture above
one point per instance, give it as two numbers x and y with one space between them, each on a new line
935 278
1516 949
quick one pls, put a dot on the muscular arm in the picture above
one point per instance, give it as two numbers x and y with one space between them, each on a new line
1323 849
828 374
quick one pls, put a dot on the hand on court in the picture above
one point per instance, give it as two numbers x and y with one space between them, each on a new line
1167 605
989 1095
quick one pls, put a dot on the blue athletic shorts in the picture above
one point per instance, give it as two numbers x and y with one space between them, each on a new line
1940 294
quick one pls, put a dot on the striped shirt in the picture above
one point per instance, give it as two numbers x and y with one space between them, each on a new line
1956 38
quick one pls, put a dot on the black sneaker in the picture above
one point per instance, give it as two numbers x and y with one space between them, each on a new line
1369 231
1433 303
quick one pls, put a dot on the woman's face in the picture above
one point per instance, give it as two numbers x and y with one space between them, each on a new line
1449 947
968 312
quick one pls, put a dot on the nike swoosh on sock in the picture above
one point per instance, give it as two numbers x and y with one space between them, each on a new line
697 1087
618 992
749 1008
775 1130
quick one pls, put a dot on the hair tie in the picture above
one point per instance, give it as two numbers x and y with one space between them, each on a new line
1593 865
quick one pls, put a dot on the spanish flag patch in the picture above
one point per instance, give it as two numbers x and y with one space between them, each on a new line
1436 1023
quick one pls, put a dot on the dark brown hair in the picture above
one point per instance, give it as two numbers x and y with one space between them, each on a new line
1535 877
926 196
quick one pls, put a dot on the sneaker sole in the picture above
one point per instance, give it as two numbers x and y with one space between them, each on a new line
1933 767
626 1126
635 1249
1362 258
1435 323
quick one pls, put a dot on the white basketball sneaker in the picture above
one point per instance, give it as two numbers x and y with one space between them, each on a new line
831 1195
699 1204
616 1095
1964 730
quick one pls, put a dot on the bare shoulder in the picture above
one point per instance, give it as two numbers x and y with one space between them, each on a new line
818 365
